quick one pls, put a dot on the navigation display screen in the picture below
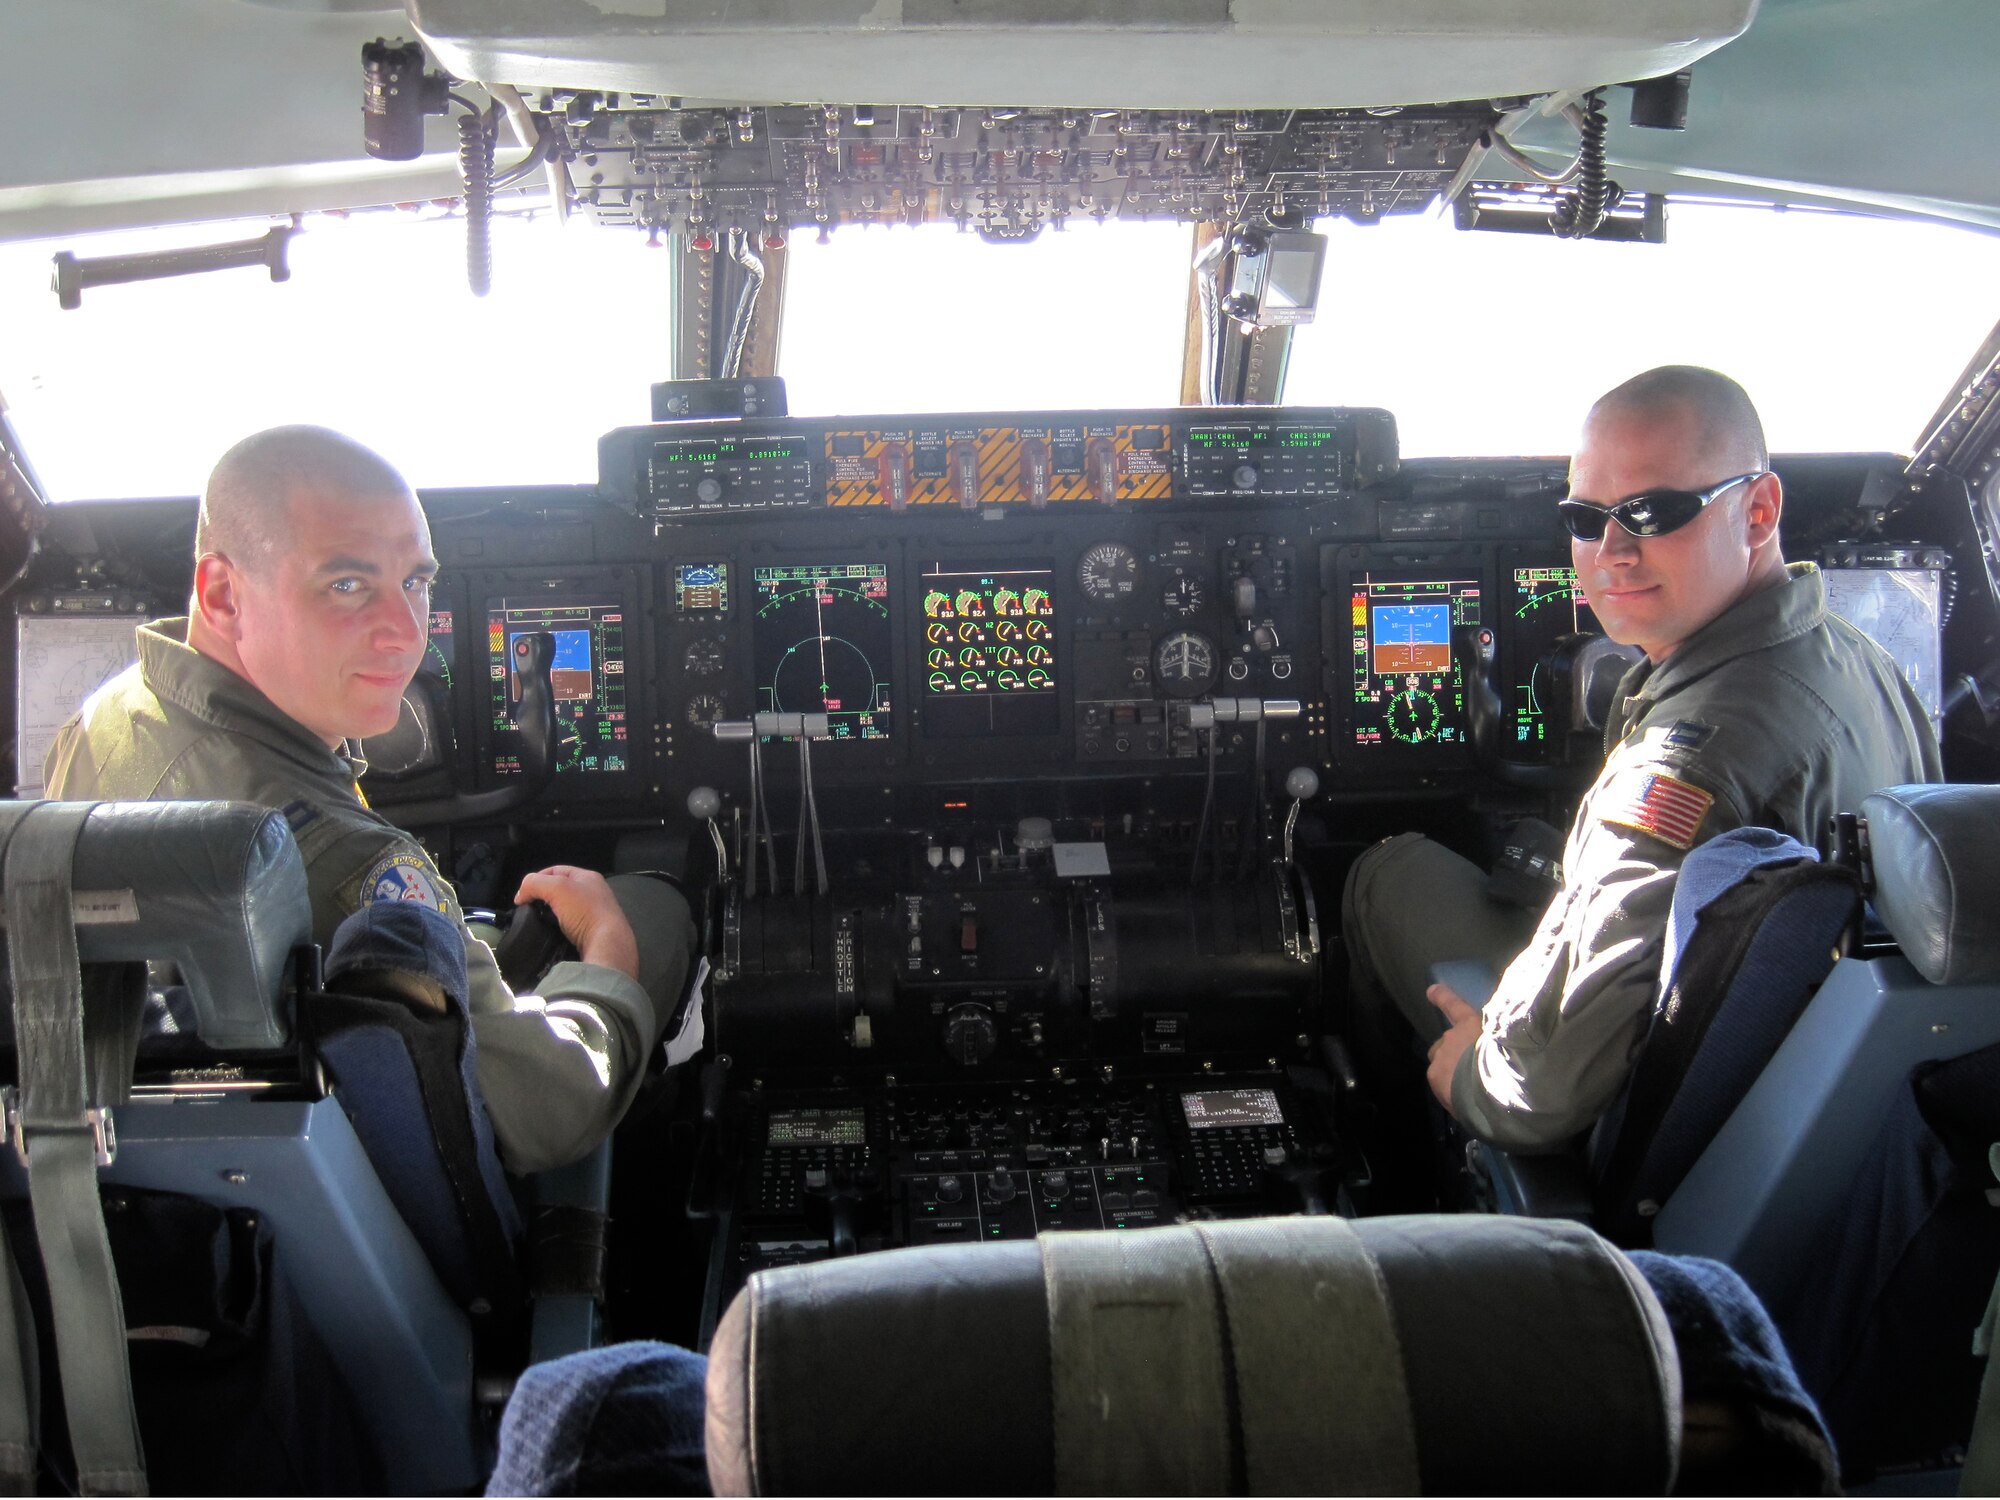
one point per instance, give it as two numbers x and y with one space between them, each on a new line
588 677
1542 605
822 643
438 650
818 1127
989 637
1409 685
1218 1109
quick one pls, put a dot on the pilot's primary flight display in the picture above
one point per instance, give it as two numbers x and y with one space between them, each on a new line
823 644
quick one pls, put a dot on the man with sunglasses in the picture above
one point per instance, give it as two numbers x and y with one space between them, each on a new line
1753 706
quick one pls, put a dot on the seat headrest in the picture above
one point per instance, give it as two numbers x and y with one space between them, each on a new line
217 889
1936 853
1533 1359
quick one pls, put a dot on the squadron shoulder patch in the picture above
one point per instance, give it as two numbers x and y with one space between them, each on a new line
1657 804
403 877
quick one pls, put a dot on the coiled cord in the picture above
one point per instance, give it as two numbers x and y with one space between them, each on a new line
475 165
1581 214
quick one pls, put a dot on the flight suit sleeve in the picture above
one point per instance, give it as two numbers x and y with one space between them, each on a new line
557 1069
1557 1038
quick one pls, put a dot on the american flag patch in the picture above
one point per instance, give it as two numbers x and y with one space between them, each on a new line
1658 804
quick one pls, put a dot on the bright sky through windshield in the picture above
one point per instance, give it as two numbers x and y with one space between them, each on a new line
1847 332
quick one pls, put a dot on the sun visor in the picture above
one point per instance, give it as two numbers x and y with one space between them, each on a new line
1137 54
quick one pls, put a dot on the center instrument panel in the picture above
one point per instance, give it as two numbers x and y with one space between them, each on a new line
1023 596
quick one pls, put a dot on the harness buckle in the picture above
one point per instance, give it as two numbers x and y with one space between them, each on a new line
103 1129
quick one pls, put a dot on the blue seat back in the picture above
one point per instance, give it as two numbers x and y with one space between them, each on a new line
1778 1172
219 891
1756 923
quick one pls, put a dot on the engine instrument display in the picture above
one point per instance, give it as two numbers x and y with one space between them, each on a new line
1409 684
701 588
588 677
822 644
1542 605
989 649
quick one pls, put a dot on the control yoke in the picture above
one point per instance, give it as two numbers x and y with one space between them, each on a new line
535 716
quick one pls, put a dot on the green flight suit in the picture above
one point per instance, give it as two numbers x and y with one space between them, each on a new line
557 1069
1775 714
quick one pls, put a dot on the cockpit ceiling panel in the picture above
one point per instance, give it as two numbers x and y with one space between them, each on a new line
1007 173
1140 54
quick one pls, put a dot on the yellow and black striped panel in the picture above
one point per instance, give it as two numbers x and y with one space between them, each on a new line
855 479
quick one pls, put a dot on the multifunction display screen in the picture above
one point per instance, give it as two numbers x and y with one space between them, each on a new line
1409 685
588 677
989 649
1542 606
822 644
1218 1109
818 1127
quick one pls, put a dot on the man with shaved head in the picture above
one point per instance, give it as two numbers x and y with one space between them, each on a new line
1752 707
308 618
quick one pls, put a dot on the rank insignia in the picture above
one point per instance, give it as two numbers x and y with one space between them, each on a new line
403 877
1655 803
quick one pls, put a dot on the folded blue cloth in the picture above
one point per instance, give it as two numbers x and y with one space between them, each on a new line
405 936
626 1419
1713 870
1730 1352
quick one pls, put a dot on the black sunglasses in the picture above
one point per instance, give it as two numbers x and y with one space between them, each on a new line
1648 513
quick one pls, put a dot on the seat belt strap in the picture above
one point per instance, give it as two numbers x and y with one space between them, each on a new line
1982 1454
20 1359
1320 1380
64 1136
1138 1369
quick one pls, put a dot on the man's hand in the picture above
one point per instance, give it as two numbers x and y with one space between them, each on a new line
588 913
1449 1048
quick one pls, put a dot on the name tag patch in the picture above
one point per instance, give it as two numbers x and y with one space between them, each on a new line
1657 804
403 877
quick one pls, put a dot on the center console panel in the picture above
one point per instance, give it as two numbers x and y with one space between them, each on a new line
819 1173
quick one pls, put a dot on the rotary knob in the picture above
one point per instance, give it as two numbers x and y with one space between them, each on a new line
970 1035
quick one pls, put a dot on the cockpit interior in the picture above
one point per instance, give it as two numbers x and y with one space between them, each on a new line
1013 760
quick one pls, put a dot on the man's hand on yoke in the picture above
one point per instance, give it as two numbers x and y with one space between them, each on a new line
1449 1048
588 913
